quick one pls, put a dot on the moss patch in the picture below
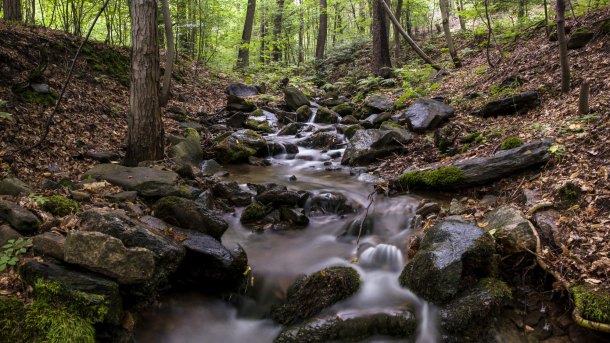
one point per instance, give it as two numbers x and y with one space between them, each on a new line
475 137
511 143
344 109
190 132
592 304
254 211
59 205
108 61
43 99
261 126
439 179
351 130
497 288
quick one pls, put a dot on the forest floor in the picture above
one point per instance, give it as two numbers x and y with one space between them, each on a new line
92 117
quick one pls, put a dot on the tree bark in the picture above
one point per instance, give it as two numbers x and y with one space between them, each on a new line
301 29
460 17
243 56
263 33
12 10
583 99
444 5
322 30
144 125
277 30
563 45
381 62
170 53
396 33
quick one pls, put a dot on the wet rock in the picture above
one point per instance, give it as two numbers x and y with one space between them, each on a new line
210 167
7 233
293 216
241 89
186 214
237 120
295 98
379 103
351 130
344 109
14 186
326 116
349 120
425 208
258 125
49 244
368 145
279 197
358 228
303 113
291 129
375 120
33 270
123 196
513 233
509 105
546 222
579 38
456 207
167 252
325 141
309 295
148 182
276 148
235 103
108 256
453 255
325 203
254 212
188 150
232 192
425 114
18 217
239 146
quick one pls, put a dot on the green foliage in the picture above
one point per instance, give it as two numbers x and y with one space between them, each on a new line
12 250
438 179
557 150
475 137
592 304
417 81
511 143
59 205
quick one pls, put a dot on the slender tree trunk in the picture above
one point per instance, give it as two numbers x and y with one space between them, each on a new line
322 30
301 28
396 33
563 45
243 56
277 30
12 10
381 62
546 19
460 17
444 5
263 33
169 54
144 125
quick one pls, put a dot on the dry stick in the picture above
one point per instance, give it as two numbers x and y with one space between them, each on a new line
409 40
366 214
47 126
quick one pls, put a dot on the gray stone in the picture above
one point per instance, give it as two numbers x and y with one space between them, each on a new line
14 186
241 89
279 197
235 103
237 120
546 222
103 156
108 256
123 196
40 88
7 233
453 255
426 114
425 208
210 167
20 219
295 98
579 38
513 233
147 182
368 145
189 150
49 244
239 146
509 105
186 214
326 116
379 103
233 192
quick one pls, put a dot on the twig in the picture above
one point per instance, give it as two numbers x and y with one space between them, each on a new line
371 198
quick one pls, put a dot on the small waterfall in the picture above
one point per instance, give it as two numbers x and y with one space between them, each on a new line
383 256
314 112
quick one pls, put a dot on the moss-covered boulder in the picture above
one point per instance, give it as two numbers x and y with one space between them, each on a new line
303 113
187 214
512 231
292 129
326 116
59 205
254 212
344 109
453 256
235 103
258 125
295 98
592 303
311 294
351 130
579 38
238 146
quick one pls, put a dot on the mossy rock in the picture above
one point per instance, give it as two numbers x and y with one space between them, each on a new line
258 113
59 205
303 113
260 126
569 195
389 125
253 212
344 109
593 304
511 143
351 130
190 132
44 99
579 38
309 295
326 116
437 179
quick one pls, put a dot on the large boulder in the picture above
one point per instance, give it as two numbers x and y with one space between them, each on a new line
344 109
579 38
239 104
368 145
425 114
309 295
14 186
303 113
187 214
108 256
83 281
49 244
279 197
521 102
238 146
453 256
20 218
241 89
295 98
513 233
324 141
326 116
292 129
188 150
379 103
232 191
167 252
148 182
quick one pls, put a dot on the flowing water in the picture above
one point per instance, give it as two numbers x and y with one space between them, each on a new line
277 258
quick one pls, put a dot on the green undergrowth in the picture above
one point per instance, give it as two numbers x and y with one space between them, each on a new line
59 205
56 315
438 179
511 143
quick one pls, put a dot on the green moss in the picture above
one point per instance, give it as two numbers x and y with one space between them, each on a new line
592 304
439 179
30 96
464 148
511 143
351 130
358 97
392 124
262 126
344 109
59 205
190 132
474 137
497 288
12 312
258 113
569 195
106 60
604 28
253 212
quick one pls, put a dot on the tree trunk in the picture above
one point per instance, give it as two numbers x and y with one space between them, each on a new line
169 54
381 62
263 33
277 30
301 28
396 33
546 19
583 99
444 5
563 45
322 30
144 125
460 17
243 56
12 10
